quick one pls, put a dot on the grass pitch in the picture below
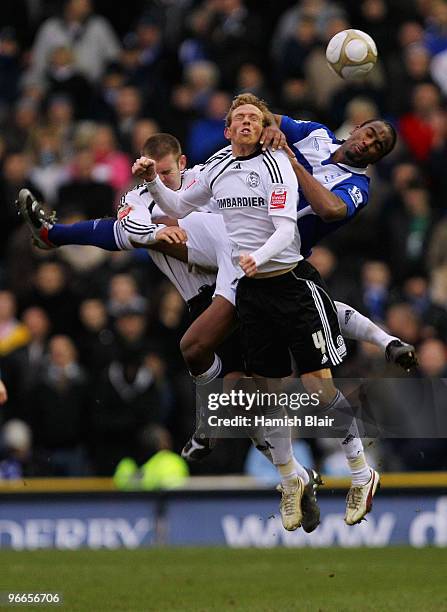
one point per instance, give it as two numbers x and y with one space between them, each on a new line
253 580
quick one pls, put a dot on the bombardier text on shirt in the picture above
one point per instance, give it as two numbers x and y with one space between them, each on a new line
240 202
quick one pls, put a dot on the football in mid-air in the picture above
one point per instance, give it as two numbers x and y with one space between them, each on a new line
351 54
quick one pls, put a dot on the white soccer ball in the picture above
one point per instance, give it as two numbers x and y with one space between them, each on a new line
351 54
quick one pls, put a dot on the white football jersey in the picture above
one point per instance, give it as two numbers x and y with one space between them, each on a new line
248 192
209 259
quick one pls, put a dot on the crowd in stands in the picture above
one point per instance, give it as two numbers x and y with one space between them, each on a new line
89 339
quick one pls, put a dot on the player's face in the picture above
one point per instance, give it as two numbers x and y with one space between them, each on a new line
169 170
367 144
246 125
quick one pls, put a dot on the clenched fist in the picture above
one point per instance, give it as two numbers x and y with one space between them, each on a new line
248 265
144 167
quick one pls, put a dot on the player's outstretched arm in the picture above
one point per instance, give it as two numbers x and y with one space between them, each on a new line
174 203
324 203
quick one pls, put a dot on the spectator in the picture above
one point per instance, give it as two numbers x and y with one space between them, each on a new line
144 58
111 166
13 334
416 292
17 129
409 231
322 10
432 356
48 172
127 108
297 47
15 175
403 322
126 400
415 127
202 78
15 450
250 79
51 292
57 407
9 68
416 71
21 368
161 468
63 78
93 41
60 118
83 193
234 36
358 111
376 281
124 294
96 338
142 130
207 135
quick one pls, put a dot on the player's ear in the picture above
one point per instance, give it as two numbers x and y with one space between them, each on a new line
182 162
227 133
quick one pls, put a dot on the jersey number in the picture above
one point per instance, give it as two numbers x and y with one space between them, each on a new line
319 341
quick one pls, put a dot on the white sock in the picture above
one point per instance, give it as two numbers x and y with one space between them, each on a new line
212 372
264 448
301 471
351 443
288 473
356 326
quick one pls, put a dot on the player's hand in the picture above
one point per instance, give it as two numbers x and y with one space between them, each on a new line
248 265
272 137
3 393
292 157
144 167
172 235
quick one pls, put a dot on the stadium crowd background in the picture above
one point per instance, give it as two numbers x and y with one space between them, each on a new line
89 339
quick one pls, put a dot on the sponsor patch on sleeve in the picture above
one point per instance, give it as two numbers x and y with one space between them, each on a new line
124 211
278 198
356 195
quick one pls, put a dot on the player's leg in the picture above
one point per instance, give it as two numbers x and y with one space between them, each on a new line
319 347
259 301
356 326
204 335
333 404
132 229
312 479
48 234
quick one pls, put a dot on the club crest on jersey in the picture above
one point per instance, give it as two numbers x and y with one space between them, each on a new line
356 195
253 179
124 211
278 198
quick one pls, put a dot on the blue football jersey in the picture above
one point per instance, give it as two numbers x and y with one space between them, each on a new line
313 145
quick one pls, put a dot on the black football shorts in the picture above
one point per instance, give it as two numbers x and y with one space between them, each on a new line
288 314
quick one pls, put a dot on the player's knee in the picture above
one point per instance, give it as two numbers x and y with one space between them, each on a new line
193 349
321 383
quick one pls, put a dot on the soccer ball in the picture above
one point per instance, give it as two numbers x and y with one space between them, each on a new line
351 53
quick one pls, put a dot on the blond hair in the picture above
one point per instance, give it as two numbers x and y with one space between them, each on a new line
248 98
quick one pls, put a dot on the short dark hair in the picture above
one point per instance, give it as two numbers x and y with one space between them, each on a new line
391 129
160 145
